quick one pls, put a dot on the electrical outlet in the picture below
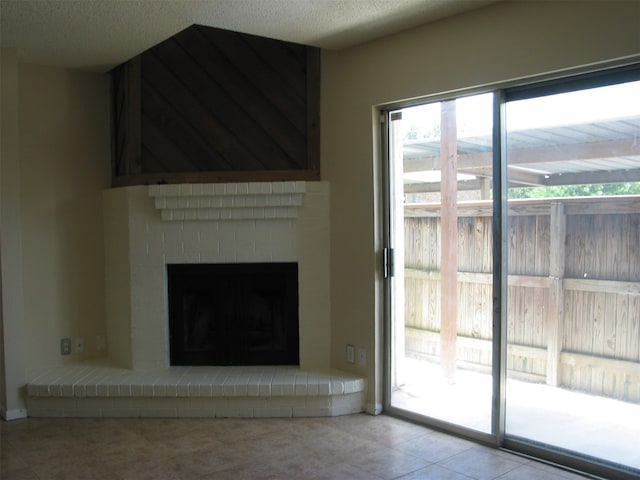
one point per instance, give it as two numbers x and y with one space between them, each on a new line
78 345
351 354
362 357
65 346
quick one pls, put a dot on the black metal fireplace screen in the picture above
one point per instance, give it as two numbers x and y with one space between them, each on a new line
233 314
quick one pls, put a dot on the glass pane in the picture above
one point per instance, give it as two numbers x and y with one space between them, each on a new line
574 272
442 290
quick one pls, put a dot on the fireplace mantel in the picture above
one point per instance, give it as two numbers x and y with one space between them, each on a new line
228 201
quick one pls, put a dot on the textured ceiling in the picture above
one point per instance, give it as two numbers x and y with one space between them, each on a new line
99 34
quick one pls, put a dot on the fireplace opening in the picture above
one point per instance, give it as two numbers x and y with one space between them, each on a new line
233 314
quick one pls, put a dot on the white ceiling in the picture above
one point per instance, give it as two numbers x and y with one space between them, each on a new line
99 34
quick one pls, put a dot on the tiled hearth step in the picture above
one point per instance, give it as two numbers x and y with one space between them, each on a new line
205 392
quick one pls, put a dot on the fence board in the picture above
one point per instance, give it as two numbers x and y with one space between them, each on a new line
601 311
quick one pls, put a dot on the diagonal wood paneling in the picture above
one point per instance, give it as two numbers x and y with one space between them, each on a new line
211 101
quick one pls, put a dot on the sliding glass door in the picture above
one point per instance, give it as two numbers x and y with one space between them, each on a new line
442 215
573 322
542 356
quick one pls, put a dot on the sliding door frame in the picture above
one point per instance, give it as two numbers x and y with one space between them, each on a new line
608 73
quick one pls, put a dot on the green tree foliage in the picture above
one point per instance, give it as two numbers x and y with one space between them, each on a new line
632 188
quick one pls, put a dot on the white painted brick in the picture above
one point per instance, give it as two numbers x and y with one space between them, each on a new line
118 412
232 189
232 412
300 186
242 213
264 390
91 390
151 412
311 412
324 388
278 187
186 189
319 402
288 389
346 404
202 202
159 391
254 390
147 390
205 390
103 391
124 390
337 387
186 412
196 189
183 390
282 212
243 188
273 412
208 188
213 214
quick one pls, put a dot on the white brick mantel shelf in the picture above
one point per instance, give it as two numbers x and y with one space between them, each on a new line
229 201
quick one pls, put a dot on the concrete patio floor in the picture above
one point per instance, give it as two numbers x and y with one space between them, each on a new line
587 424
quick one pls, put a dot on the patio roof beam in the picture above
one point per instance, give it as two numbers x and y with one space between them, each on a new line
536 155
587 178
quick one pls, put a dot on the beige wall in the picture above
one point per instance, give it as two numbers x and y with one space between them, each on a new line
12 341
501 42
64 165
59 164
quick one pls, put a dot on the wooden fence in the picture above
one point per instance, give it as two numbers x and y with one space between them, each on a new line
573 315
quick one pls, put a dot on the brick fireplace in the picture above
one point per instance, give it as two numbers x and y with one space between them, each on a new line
150 227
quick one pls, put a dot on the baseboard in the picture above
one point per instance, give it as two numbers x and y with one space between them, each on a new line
13 414
373 408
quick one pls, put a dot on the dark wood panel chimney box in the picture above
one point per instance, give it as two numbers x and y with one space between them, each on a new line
212 106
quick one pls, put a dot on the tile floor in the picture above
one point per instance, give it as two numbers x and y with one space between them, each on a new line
349 447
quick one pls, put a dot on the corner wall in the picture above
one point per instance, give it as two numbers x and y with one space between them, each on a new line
64 158
505 41
12 336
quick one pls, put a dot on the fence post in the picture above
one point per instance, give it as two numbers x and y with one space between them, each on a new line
449 227
555 317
